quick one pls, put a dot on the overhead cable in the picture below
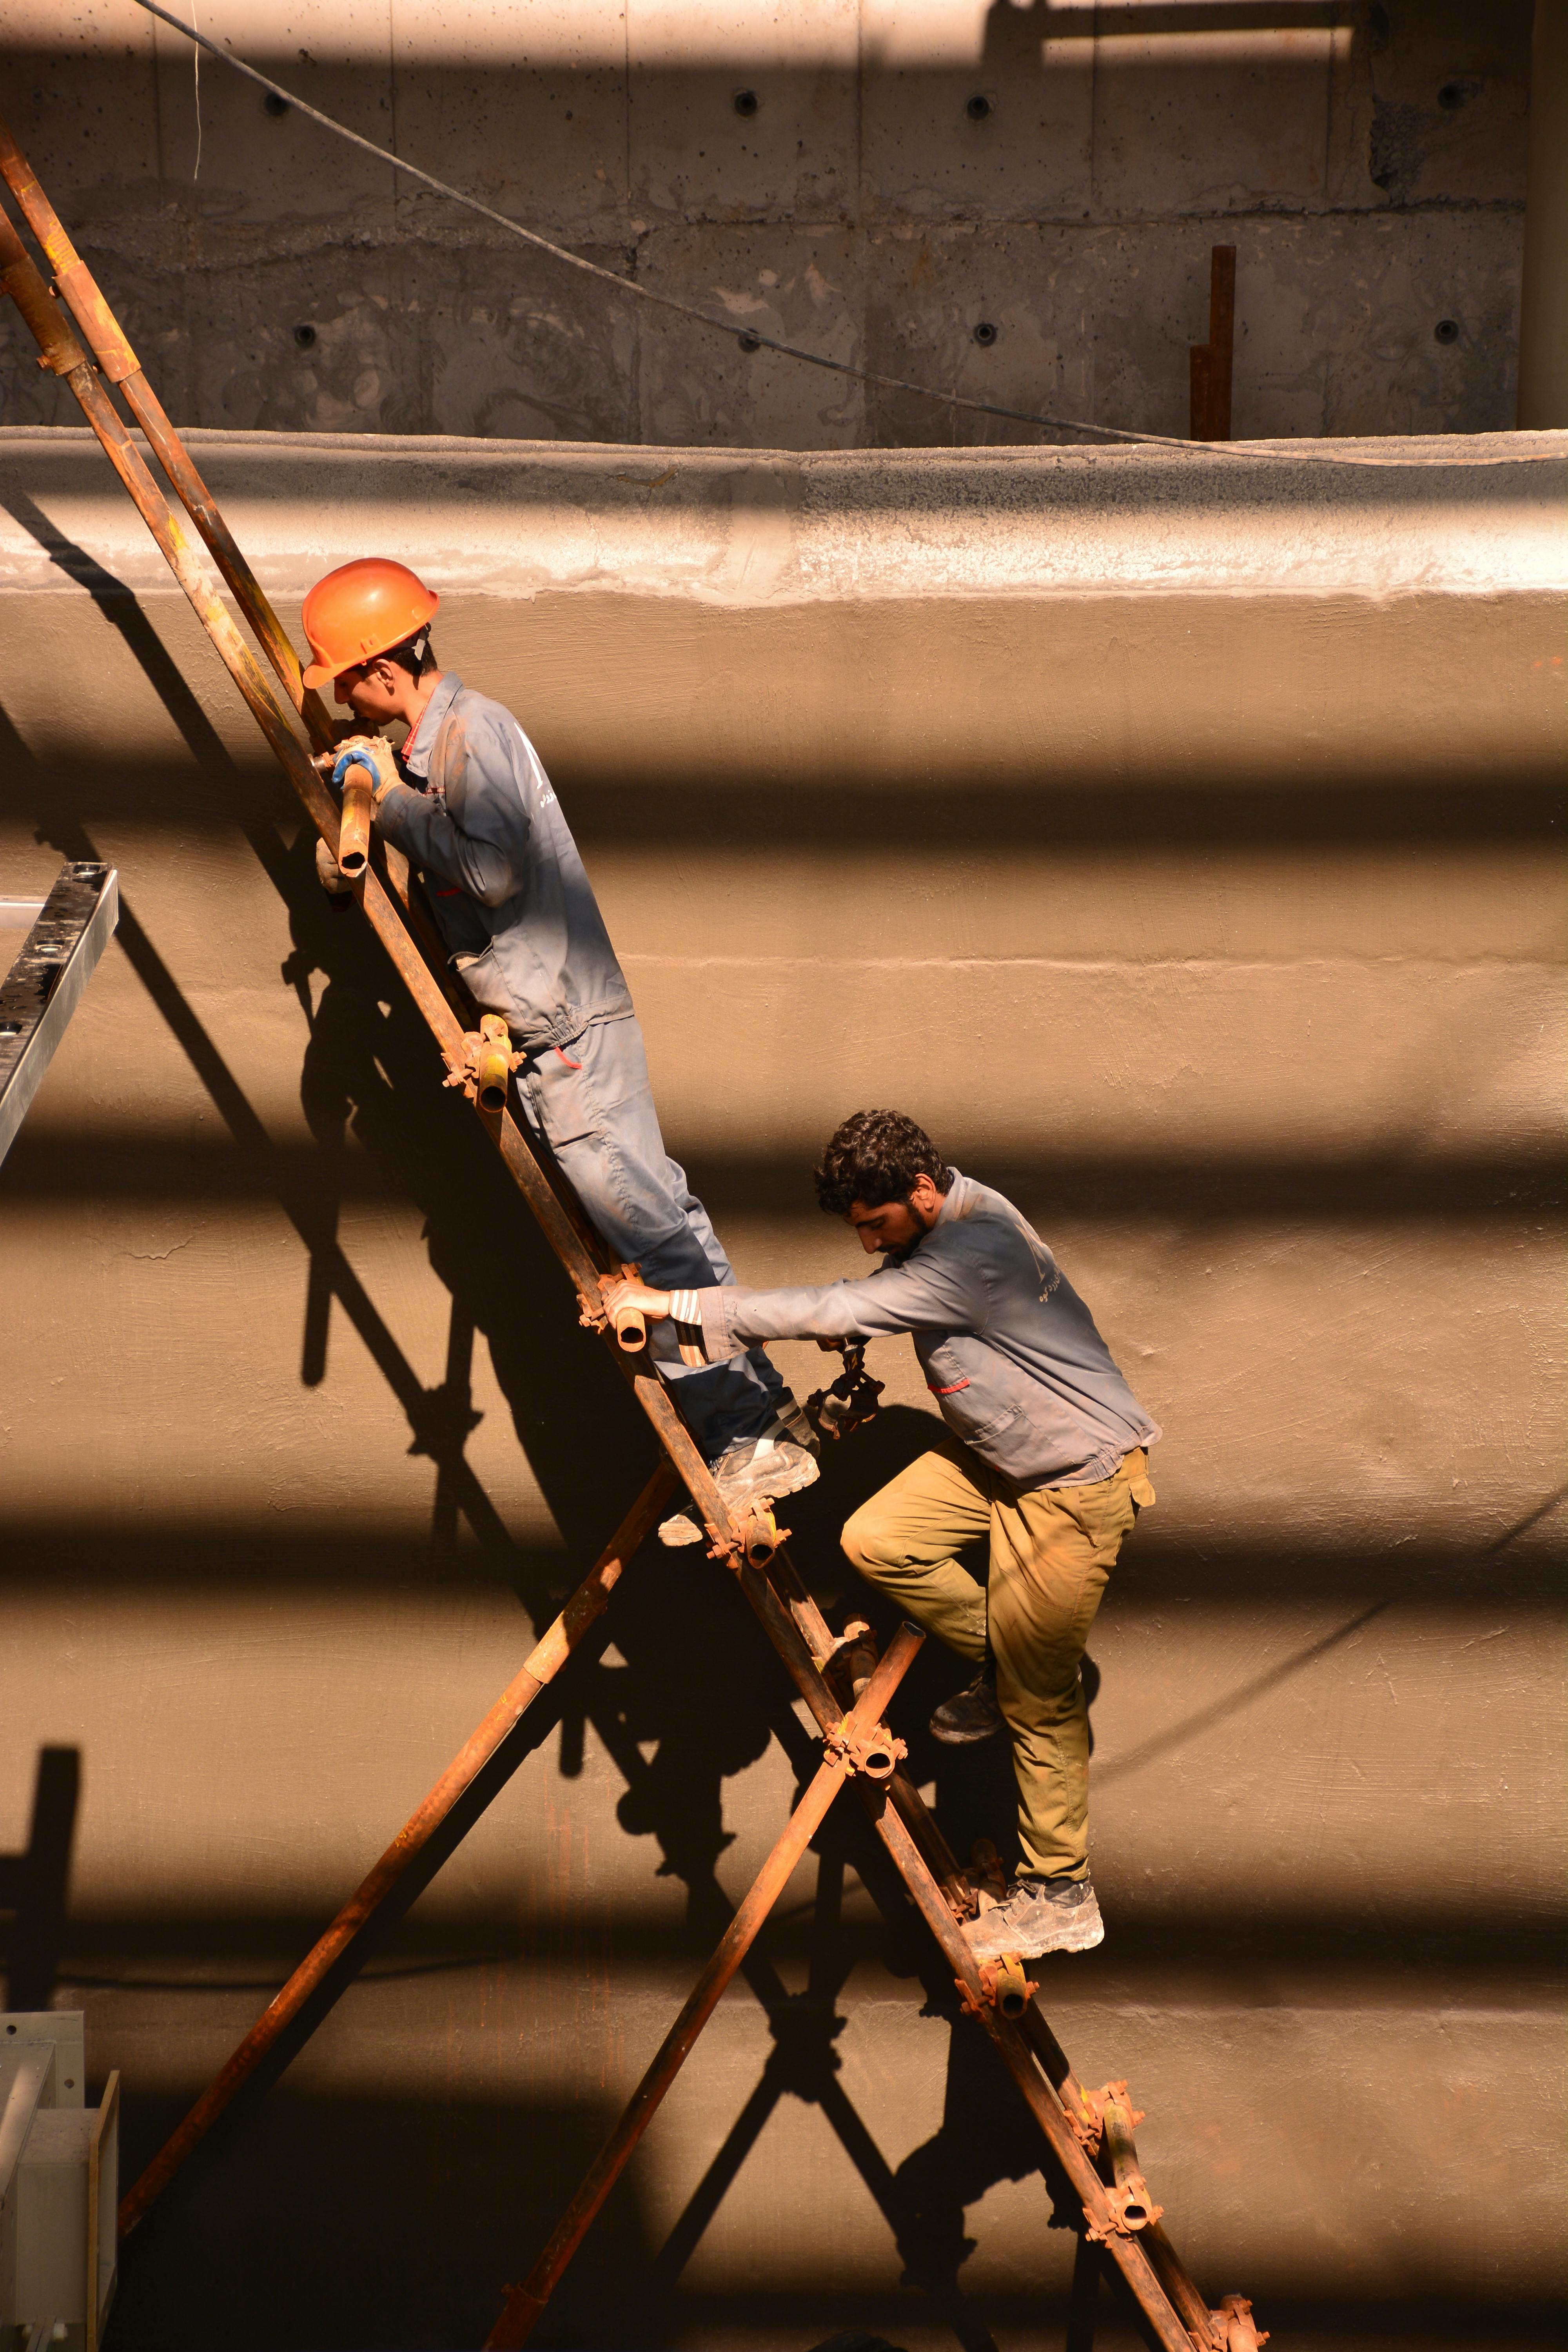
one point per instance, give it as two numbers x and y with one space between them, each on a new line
749 337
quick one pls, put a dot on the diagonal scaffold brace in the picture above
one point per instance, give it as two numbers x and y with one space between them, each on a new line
1080 2143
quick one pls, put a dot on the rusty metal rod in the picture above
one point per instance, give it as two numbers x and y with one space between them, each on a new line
1139 2211
523 2304
354 831
1058 2073
76 283
543 1662
1177 2282
792 1594
1013 1989
1126 2253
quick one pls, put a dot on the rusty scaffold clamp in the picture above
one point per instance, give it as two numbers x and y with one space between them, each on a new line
484 1063
1133 2208
876 1753
1237 2331
1002 1987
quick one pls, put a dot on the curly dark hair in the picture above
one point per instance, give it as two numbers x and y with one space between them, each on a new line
876 1156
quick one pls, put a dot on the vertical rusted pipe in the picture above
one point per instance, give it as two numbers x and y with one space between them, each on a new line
543 1662
353 825
524 2304
1139 2211
1210 365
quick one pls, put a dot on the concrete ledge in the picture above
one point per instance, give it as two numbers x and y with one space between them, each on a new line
1332 611
1477 514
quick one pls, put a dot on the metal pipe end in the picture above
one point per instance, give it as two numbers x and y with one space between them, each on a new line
631 1330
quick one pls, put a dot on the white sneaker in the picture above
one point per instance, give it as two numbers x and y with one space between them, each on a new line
755 1470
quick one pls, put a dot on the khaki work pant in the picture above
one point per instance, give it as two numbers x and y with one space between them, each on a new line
1052 1551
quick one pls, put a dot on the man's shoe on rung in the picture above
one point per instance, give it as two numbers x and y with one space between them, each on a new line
970 1714
750 1475
1039 1915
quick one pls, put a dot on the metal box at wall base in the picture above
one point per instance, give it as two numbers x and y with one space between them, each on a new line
59 2187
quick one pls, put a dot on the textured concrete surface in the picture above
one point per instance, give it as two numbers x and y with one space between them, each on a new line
1176 836
1368 162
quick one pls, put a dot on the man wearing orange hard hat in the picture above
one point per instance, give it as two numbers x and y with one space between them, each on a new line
467 799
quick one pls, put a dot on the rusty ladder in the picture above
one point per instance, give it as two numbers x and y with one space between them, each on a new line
1089 2135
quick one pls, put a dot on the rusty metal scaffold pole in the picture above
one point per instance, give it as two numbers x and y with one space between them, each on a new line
1070 2119
525 2303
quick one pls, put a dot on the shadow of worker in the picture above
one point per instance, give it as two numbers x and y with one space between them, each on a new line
692 1699
372 1094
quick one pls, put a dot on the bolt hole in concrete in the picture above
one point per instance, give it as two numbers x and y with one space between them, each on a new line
274 105
1447 330
986 333
305 336
1453 94
978 108
746 101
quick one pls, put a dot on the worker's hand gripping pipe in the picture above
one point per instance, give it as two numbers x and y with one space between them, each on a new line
629 1321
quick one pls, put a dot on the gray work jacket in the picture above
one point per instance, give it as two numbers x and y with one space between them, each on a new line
1008 1348
477 816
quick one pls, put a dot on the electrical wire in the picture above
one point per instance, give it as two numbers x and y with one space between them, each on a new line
749 338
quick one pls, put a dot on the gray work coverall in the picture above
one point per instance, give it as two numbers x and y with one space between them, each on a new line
476 817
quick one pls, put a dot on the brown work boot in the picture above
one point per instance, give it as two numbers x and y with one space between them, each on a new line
971 1713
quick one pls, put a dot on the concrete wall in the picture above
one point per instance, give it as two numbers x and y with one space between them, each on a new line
1173 837
1367 162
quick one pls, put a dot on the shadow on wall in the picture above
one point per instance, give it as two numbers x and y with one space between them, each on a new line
35 1884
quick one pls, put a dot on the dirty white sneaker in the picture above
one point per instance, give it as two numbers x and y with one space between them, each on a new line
1039 1914
755 1470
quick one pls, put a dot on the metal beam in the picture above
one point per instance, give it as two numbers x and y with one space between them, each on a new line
44 986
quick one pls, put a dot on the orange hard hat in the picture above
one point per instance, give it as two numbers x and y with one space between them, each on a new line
360 610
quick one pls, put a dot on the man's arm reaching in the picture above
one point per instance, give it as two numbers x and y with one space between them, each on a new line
930 1293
